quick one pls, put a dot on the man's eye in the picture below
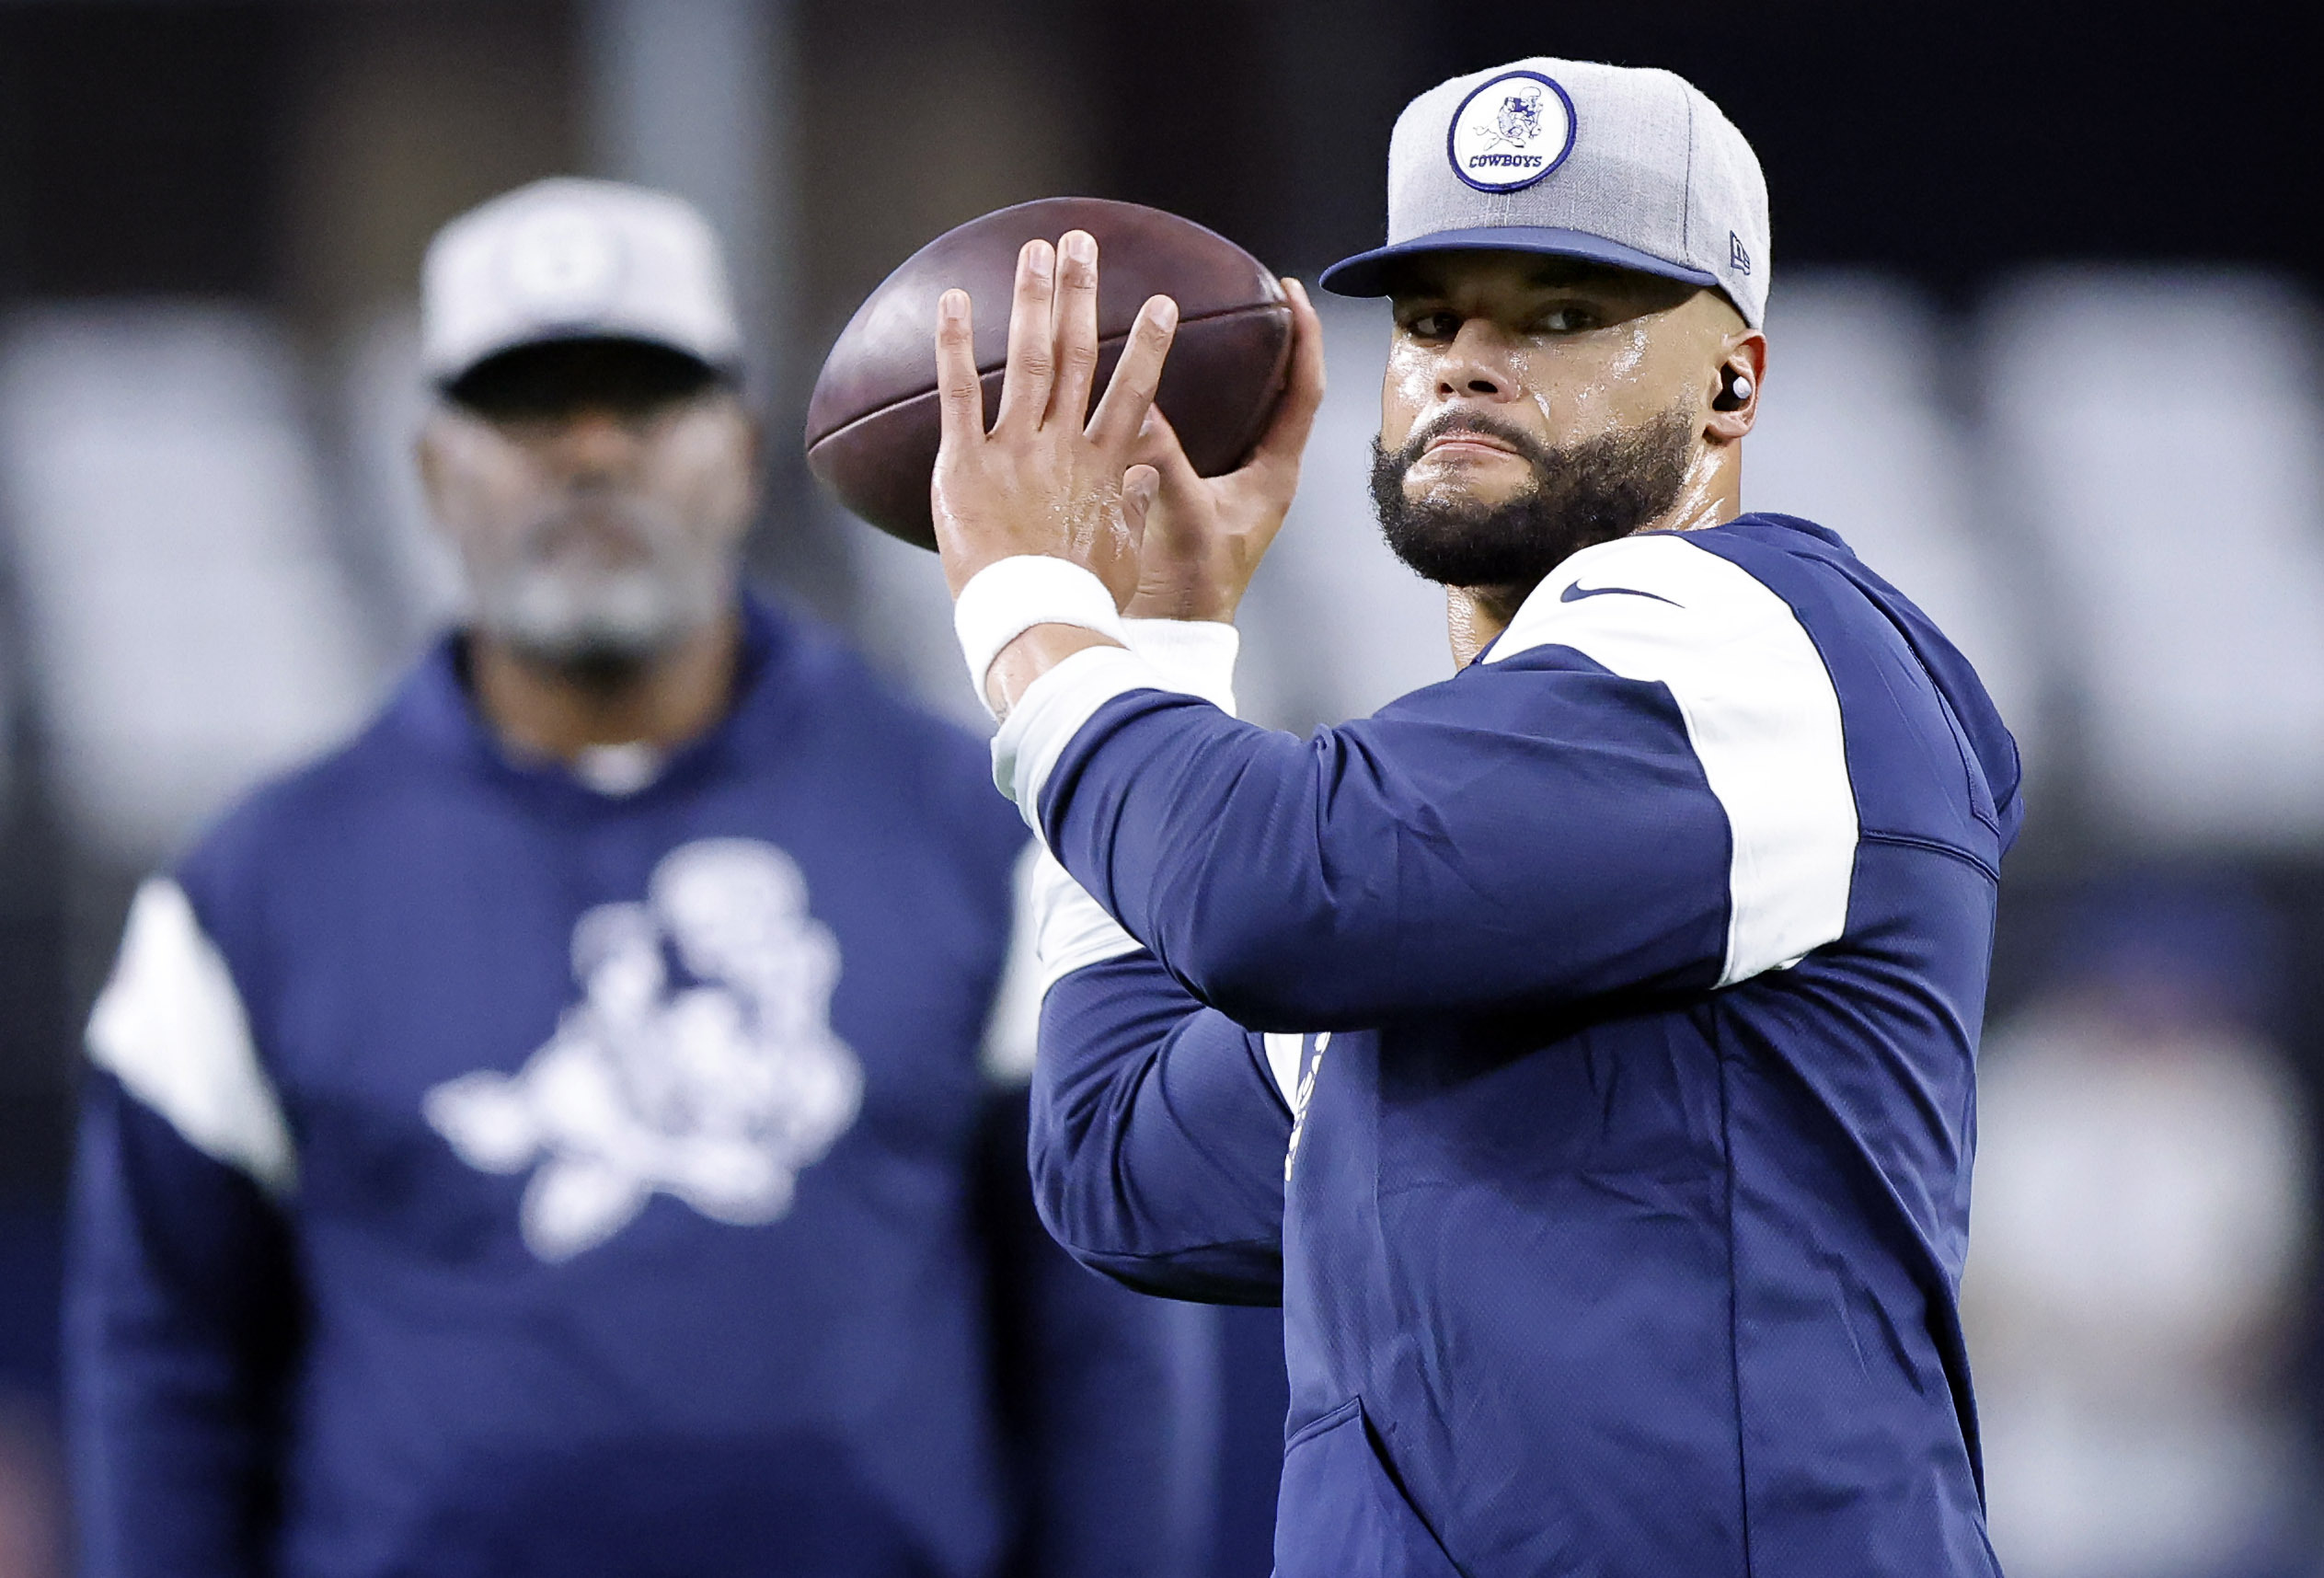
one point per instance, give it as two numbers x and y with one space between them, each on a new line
1434 325
1568 320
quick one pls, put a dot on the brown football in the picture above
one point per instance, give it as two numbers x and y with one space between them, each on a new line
872 426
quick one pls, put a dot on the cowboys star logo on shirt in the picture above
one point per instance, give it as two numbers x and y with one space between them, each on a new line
699 1062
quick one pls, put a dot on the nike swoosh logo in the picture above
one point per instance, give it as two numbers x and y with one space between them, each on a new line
1576 593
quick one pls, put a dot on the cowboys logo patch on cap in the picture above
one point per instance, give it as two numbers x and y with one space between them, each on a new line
1619 164
1510 131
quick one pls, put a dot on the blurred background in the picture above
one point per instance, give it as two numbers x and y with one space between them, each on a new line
2043 350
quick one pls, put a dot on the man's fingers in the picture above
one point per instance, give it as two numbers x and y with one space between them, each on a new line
1076 327
1285 439
1129 394
960 393
1032 353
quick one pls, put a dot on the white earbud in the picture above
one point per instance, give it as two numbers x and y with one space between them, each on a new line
1740 387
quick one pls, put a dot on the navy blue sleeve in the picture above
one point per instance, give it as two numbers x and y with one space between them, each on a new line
179 1320
1158 1137
1534 832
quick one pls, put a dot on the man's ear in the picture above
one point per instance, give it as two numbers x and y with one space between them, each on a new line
427 453
1735 385
753 465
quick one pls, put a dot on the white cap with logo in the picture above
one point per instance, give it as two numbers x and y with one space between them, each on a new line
568 259
1620 164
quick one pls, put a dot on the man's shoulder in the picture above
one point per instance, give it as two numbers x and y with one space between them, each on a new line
869 709
866 721
1778 646
1705 598
326 804
420 774
1915 703
1820 578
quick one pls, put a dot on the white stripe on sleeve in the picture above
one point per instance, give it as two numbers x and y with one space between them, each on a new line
1051 711
1761 714
1072 930
170 1027
1187 657
1012 1027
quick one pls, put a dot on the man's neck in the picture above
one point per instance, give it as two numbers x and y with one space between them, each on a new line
1475 615
542 709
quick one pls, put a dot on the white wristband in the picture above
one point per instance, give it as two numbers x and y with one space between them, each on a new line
1010 596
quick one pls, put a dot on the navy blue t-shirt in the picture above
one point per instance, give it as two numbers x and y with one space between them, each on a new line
485 1173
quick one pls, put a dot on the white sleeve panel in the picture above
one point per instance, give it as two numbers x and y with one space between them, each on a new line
170 1027
1051 711
1013 1025
1072 931
1189 656
1761 713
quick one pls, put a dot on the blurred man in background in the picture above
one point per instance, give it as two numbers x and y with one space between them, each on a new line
2143 1221
551 1134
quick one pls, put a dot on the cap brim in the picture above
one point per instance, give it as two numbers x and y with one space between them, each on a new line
1365 275
725 366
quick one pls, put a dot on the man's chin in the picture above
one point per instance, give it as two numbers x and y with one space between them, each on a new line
597 655
603 626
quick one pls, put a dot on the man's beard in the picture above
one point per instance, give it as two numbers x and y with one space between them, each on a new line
1580 495
555 605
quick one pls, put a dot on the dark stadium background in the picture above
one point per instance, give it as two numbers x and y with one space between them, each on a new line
297 155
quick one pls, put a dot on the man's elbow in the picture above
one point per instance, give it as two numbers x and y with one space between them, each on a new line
1093 1213
1267 970
1244 1273
1092 1222
1069 1162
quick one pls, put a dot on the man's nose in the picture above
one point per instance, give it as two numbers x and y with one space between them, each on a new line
596 443
1476 364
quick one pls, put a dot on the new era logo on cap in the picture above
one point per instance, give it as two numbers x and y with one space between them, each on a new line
1620 164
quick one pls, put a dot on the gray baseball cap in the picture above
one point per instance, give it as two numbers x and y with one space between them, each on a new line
1620 164
568 259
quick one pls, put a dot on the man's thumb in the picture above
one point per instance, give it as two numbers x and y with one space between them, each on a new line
1140 487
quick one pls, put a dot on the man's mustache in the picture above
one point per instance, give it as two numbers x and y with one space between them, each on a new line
626 522
1535 452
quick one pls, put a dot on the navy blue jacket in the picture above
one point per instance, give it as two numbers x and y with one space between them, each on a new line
1610 1010
483 1174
